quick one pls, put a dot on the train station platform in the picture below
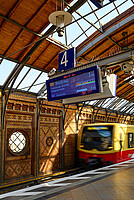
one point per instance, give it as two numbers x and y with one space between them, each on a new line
114 182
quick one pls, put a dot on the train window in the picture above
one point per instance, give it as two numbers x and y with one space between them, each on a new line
130 140
97 137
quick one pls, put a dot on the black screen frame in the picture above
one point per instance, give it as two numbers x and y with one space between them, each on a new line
95 69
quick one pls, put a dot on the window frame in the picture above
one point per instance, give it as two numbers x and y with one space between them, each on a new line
25 150
129 145
111 127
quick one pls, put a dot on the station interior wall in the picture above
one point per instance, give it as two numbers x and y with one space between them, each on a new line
43 154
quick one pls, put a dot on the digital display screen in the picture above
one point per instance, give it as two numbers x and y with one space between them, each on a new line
79 83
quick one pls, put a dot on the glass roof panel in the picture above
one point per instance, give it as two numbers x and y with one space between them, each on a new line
39 83
75 30
5 69
85 9
107 102
92 18
105 10
77 36
80 39
36 87
110 15
118 104
104 15
132 111
31 76
124 6
21 75
84 24
90 30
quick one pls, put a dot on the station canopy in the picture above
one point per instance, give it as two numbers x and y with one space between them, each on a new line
29 44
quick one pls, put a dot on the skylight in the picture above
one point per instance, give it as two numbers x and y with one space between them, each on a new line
90 18
115 103
5 69
86 20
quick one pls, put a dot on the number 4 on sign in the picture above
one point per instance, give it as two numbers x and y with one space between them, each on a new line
64 59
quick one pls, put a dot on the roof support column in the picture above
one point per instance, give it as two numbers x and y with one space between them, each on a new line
2 142
37 137
93 113
37 134
76 135
62 137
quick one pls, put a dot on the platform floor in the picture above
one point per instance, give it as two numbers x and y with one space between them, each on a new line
114 182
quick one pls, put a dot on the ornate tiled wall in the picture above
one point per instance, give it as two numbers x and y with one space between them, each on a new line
49 143
16 166
69 138
21 115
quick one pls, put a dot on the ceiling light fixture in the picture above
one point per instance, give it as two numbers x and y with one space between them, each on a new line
60 19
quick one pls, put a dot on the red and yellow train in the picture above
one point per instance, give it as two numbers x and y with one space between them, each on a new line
105 143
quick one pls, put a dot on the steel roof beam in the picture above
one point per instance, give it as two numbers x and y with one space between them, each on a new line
114 42
112 103
89 22
95 14
81 27
93 11
124 107
24 88
34 81
23 78
19 62
42 90
127 93
21 26
116 104
105 34
90 26
128 108
37 44
124 82
99 22
31 31
116 8
99 108
114 59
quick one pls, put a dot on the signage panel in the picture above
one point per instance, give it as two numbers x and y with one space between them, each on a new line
109 90
99 3
79 83
67 59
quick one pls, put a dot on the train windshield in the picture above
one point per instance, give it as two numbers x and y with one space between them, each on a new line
97 137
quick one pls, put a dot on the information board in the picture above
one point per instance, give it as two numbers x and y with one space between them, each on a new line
67 59
79 83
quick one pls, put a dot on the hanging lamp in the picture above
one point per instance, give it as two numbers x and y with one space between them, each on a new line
60 19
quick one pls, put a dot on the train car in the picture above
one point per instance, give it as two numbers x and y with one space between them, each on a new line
105 143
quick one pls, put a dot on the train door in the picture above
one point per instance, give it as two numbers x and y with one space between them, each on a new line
121 146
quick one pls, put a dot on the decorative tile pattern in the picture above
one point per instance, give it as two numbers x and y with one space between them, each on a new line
48 154
16 169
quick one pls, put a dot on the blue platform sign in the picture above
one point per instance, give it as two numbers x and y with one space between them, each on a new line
67 59
99 3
